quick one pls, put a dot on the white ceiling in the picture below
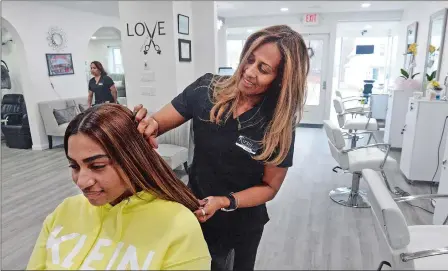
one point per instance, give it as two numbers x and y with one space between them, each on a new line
107 8
229 9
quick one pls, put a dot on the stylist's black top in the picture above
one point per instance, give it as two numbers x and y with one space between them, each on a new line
102 89
219 165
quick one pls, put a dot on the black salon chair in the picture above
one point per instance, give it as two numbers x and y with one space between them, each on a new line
15 125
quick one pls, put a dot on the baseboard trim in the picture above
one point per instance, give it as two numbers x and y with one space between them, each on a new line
310 125
40 147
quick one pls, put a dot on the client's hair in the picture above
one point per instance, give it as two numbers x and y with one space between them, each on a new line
114 128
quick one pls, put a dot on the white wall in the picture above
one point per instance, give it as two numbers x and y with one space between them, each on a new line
222 47
78 26
206 37
185 71
170 76
421 12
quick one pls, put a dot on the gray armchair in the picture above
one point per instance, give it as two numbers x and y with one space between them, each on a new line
174 146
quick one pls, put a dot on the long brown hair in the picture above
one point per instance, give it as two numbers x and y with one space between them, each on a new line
290 83
113 127
100 67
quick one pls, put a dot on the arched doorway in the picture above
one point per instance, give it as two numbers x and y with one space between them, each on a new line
105 46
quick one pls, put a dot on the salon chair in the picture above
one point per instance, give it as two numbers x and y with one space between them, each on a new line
356 104
353 161
403 247
362 124
15 125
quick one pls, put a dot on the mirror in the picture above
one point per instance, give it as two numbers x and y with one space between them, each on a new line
434 50
411 37
57 39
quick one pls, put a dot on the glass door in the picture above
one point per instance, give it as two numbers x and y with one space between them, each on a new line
317 78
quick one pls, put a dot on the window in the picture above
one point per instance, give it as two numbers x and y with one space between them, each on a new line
355 68
234 49
115 61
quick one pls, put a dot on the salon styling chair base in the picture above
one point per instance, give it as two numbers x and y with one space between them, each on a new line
347 197
353 161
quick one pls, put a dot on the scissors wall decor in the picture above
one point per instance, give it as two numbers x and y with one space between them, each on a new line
147 47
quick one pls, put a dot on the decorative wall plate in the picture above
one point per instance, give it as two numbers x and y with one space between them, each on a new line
57 39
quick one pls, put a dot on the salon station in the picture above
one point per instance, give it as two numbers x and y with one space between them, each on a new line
408 118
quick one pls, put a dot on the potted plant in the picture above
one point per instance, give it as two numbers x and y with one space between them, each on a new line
434 89
406 80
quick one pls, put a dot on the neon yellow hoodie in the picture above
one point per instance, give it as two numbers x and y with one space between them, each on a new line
140 233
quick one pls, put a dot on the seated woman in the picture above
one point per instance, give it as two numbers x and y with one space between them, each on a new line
133 212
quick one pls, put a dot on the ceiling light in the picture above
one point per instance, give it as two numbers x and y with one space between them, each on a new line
93 38
365 5
249 31
367 26
284 9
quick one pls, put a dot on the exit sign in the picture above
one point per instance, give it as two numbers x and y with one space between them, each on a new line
311 19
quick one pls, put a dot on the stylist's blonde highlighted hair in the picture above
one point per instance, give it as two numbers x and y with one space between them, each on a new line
291 82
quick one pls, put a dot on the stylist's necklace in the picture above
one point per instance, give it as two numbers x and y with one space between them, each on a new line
241 122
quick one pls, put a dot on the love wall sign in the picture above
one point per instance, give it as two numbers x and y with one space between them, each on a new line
140 29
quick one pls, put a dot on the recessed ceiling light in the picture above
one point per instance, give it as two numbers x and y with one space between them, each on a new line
365 5
368 26
284 9
249 31
93 38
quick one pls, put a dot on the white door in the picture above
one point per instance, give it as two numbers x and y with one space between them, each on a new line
317 78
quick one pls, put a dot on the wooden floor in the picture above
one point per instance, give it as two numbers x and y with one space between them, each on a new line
307 229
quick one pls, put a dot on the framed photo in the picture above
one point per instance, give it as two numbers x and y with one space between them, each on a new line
183 24
184 50
59 64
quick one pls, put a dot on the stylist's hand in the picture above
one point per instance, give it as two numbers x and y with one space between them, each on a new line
209 206
147 126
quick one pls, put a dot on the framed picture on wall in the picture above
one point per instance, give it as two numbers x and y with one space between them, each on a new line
59 64
184 50
183 24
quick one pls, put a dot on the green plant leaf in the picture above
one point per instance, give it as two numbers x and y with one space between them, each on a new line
405 73
433 75
412 77
403 76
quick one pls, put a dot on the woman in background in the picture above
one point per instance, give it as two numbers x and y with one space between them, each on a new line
101 85
133 213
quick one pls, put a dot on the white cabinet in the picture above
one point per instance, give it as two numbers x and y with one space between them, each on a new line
396 116
441 210
423 144
378 105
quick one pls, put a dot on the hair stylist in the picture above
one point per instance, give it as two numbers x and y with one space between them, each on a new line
244 137
102 85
